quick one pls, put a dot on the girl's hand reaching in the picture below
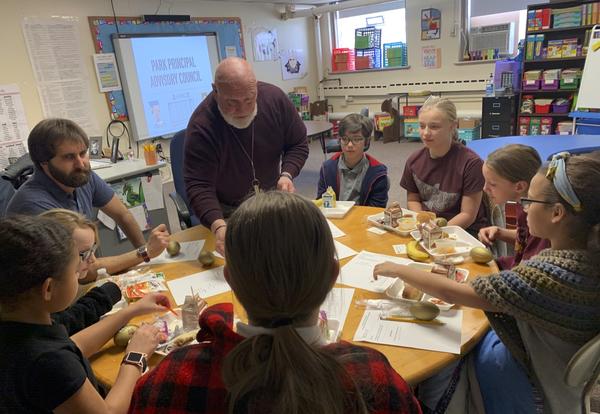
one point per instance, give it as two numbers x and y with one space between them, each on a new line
389 269
145 339
152 302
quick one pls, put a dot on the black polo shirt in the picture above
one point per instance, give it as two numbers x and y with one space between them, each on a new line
40 367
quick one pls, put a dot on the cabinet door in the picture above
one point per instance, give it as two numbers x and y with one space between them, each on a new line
499 108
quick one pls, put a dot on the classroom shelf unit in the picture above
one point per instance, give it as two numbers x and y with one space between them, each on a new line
557 37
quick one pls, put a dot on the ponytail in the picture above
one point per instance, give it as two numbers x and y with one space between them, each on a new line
281 265
280 372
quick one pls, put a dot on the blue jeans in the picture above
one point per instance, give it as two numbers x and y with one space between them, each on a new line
504 385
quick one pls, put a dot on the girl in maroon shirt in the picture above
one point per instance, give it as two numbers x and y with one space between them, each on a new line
445 176
508 172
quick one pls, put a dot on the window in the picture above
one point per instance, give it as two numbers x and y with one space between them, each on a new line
389 17
497 24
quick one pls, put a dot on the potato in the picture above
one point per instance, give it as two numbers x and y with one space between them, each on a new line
124 334
411 293
206 258
481 255
173 248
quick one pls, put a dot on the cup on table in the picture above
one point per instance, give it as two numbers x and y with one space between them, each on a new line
150 154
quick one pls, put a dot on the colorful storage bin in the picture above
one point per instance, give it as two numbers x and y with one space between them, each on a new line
342 59
395 54
531 85
410 110
367 59
469 134
411 128
367 38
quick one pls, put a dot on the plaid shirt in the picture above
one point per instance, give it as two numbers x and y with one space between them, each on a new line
189 380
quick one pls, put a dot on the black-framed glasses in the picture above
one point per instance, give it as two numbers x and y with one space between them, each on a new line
87 254
354 140
526 202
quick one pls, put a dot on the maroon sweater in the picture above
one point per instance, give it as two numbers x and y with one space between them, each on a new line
215 168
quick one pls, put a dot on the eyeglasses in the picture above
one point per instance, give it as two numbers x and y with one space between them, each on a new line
86 255
355 140
526 202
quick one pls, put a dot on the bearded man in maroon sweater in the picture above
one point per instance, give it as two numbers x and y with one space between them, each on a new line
244 137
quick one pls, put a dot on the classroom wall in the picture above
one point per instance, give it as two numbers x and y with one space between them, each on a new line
16 67
376 84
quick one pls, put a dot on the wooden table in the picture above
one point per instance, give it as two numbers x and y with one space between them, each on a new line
414 365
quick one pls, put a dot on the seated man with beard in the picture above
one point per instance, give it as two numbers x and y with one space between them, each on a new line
245 136
63 179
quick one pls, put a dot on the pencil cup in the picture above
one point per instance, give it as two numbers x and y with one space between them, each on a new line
150 156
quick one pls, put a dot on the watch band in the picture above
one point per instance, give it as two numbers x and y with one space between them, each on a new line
287 174
136 358
142 252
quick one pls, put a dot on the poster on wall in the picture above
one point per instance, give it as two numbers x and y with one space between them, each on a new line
431 24
293 64
107 73
264 44
431 57
61 75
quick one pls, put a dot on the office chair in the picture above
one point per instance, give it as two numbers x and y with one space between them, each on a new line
187 219
584 369
18 172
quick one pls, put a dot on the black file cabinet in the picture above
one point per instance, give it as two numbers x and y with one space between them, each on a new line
499 116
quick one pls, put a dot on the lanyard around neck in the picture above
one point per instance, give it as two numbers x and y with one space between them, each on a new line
249 157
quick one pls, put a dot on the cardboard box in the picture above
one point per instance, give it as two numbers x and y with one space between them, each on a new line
468 123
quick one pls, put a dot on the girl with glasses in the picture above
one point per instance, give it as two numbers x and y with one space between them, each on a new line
88 309
445 176
354 175
542 310
86 235
508 172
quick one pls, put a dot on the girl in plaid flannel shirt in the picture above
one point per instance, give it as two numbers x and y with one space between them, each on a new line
281 265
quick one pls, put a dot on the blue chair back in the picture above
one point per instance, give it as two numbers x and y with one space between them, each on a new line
176 151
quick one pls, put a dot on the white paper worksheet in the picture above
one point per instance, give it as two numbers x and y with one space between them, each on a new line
206 284
358 272
444 338
337 304
189 251
335 230
343 251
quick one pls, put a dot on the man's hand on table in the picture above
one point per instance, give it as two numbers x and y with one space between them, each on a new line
219 228
158 240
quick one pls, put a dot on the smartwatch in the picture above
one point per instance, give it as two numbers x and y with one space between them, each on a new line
136 358
142 253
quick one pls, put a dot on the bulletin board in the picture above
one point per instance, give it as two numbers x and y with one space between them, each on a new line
228 29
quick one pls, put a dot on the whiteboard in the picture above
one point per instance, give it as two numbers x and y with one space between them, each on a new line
589 90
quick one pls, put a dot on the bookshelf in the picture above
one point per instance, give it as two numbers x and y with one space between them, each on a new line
556 39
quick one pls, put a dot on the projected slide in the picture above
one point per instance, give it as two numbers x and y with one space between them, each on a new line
174 75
